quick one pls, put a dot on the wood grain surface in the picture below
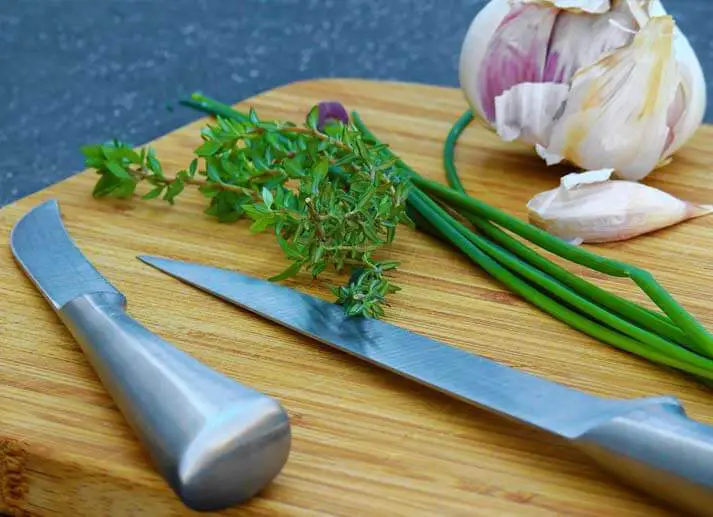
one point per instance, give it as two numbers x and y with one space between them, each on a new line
365 441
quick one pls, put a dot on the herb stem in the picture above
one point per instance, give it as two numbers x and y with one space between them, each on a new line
142 174
318 135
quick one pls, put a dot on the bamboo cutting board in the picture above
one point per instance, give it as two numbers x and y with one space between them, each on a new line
365 442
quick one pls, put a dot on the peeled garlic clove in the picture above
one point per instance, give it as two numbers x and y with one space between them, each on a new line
590 207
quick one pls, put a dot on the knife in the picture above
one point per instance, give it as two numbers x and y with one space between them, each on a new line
648 442
216 442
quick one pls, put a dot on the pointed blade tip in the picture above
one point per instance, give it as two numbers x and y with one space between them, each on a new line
175 268
42 247
49 205
157 262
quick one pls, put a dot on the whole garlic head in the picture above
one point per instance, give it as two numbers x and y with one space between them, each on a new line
597 83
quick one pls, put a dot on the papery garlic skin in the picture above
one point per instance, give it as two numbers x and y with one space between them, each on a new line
693 86
518 56
591 208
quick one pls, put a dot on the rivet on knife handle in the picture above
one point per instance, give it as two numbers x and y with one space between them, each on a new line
649 442
216 442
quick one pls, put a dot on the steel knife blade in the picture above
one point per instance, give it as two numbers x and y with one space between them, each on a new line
649 442
216 442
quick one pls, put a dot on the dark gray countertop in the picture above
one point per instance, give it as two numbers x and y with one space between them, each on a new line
84 71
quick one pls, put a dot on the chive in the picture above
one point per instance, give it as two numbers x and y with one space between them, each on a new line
649 319
700 339
206 104
654 321
482 215
546 282
449 149
681 359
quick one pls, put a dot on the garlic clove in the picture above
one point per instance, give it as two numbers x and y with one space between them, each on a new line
693 84
693 87
527 111
607 121
517 53
578 6
474 48
604 33
590 207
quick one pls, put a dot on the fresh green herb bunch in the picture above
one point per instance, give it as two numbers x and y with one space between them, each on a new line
328 192
670 335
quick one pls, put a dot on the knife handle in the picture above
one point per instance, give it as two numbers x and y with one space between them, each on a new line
216 442
660 450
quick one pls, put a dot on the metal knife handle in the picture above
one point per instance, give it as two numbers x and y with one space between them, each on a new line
216 442
660 450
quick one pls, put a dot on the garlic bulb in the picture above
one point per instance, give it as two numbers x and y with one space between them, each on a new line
590 207
597 83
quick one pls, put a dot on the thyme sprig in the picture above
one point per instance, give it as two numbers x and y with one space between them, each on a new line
325 190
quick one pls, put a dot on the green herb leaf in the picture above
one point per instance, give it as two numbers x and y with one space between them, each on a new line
209 190
252 115
154 193
262 223
319 172
106 185
125 189
173 190
267 197
208 148
290 250
291 271
152 162
193 167
312 120
117 170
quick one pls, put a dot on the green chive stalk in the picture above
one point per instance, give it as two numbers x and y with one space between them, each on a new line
622 323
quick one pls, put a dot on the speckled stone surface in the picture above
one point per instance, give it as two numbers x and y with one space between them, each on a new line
82 71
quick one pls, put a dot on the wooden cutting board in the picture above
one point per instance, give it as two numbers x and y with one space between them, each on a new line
365 442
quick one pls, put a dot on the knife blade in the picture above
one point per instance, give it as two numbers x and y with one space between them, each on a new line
648 442
216 442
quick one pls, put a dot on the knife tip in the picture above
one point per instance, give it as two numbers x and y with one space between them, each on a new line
151 261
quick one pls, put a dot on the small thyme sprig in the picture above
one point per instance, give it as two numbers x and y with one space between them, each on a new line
329 194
